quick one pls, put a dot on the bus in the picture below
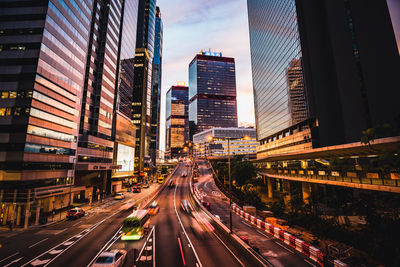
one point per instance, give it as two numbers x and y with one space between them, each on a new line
134 225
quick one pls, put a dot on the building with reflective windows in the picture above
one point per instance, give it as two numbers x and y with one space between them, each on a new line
213 143
141 104
212 92
58 83
156 93
317 81
177 124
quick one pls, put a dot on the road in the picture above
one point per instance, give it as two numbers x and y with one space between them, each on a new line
272 249
77 243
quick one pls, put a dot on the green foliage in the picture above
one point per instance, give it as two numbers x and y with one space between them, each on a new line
379 131
242 172
252 198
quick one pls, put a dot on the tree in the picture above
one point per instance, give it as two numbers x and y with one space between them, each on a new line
243 171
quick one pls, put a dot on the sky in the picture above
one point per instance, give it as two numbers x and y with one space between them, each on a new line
192 26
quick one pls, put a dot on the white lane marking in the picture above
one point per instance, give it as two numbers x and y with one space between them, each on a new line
145 242
310 263
105 246
77 223
183 228
67 243
14 261
284 247
31 246
39 262
233 254
261 233
9 256
61 231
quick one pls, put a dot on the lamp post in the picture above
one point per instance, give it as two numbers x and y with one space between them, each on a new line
210 138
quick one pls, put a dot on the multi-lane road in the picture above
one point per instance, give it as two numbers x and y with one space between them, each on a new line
77 243
270 248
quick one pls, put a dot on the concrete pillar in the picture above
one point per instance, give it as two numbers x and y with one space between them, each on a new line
37 213
5 214
27 209
286 190
269 185
18 215
306 189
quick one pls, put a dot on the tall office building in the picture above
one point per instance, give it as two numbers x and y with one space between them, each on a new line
58 84
344 56
156 93
141 104
43 51
212 92
177 124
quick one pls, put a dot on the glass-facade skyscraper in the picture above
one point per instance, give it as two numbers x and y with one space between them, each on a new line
322 72
59 88
156 84
212 92
141 104
177 124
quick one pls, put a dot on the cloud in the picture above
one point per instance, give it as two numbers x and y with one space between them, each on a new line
189 27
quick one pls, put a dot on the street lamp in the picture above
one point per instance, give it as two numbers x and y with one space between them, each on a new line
229 175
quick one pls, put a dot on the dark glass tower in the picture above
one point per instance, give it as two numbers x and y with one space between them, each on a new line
177 124
43 51
323 68
212 92
141 104
156 93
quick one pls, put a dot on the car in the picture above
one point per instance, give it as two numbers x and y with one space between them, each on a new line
145 185
136 189
171 184
207 205
154 208
185 205
75 213
184 174
113 258
119 196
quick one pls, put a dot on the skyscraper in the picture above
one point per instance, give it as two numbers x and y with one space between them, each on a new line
348 77
143 80
156 84
43 54
212 92
177 124
58 101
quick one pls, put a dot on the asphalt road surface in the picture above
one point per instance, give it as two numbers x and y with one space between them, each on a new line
272 249
79 242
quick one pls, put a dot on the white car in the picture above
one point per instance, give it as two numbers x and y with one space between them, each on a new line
119 196
113 258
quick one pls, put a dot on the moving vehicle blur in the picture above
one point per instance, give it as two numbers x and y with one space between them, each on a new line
134 224
186 207
114 258
75 213
154 208
184 174
171 184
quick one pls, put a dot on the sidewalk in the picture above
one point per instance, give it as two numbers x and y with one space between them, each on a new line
61 216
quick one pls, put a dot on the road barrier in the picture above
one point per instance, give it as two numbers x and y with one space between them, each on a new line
231 240
312 252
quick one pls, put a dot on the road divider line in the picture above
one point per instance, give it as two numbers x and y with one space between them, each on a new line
37 243
104 247
310 263
9 256
183 228
233 254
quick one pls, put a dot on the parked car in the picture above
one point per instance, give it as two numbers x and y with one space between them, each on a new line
75 213
145 185
119 196
136 189
113 258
